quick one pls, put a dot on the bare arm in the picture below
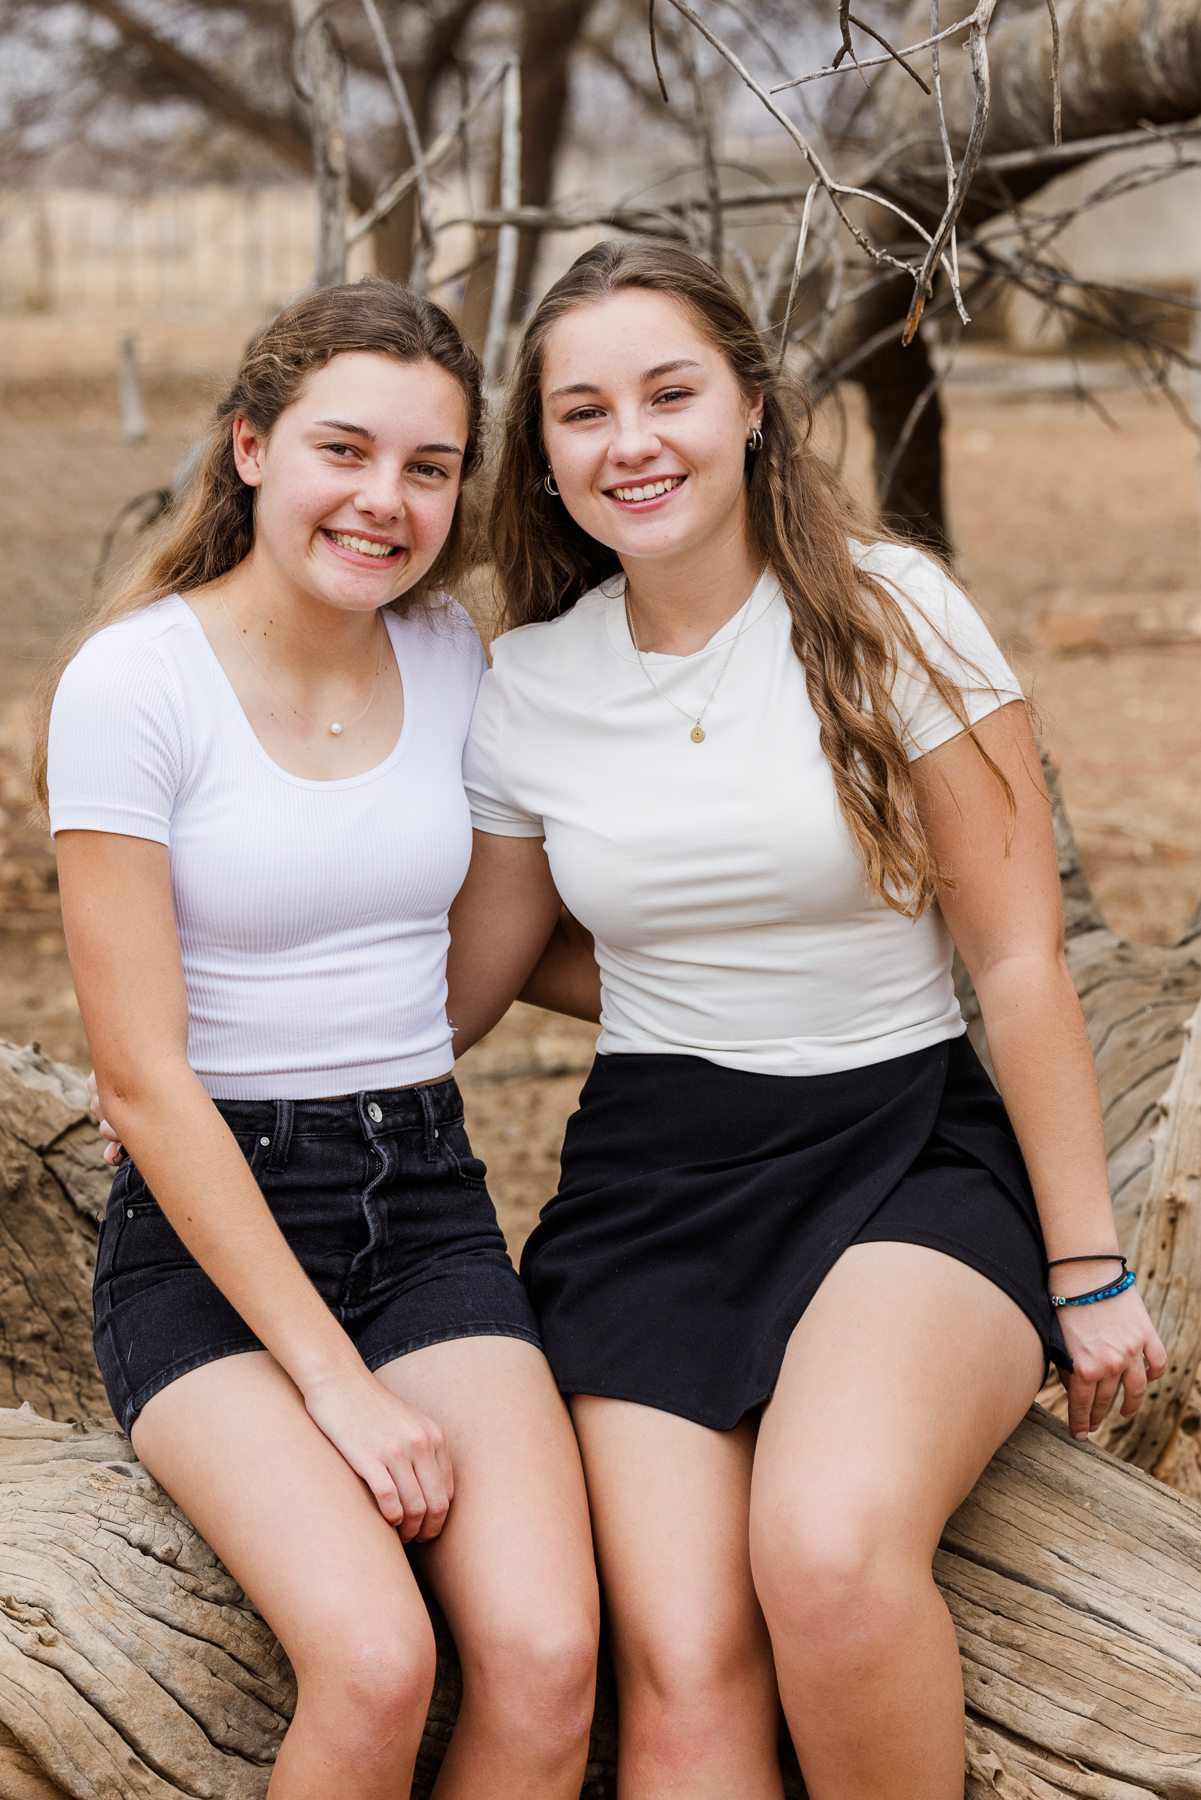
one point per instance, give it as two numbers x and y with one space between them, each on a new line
566 978
500 924
121 936
1006 916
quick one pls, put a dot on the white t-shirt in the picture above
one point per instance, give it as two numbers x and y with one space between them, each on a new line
311 914
728 902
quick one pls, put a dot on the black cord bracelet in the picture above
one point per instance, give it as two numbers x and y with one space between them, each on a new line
1103 1256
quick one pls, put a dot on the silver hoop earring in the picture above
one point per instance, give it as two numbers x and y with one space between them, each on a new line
755 441
548 482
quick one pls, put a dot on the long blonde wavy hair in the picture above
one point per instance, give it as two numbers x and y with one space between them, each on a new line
848 629
211 529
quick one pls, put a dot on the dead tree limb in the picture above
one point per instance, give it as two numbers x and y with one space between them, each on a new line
320 66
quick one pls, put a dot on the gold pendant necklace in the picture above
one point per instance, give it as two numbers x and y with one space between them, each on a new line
335 729
697 734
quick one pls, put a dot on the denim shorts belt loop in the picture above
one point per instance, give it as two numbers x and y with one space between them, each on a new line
382 1202
281 1136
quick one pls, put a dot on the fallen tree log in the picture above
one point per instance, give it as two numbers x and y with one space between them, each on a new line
131 1664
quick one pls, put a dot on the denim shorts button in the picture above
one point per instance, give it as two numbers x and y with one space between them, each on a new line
375 1112
129 1212
264 1142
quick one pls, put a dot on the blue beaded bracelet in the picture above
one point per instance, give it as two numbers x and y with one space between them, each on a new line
1102 1293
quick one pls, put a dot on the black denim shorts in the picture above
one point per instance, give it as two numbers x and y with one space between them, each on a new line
381 1201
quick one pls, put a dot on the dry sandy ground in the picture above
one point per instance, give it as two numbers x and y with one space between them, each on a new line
1051 507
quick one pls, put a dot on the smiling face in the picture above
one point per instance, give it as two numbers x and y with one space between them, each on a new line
358 479
646 429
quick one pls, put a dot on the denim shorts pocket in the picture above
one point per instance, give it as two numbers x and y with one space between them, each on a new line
468 1166
137 1233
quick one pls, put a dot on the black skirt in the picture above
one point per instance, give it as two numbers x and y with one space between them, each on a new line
700 1208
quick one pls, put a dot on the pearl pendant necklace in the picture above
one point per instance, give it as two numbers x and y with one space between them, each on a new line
335 729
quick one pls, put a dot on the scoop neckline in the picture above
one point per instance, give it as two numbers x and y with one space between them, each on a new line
756 604
392 626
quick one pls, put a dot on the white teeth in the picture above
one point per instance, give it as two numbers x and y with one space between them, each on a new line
363 546
651 492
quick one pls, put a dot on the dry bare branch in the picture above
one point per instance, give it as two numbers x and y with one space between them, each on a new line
442 145
874 62
506 253
1056 92
319 66
425 249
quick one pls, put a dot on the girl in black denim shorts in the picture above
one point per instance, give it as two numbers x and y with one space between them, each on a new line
305 1316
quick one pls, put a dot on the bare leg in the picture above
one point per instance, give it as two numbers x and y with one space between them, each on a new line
234 1446
670 1503
863 1455
512 1569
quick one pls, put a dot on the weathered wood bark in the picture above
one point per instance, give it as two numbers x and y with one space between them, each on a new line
131 1664
53 1189
1166 1256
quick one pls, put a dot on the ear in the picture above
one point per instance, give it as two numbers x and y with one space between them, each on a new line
249 449
754 415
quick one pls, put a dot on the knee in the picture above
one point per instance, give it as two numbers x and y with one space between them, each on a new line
838 1588
373 1687
538 1680
695 1696
696 1676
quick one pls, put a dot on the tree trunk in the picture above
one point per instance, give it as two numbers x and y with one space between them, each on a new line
908 479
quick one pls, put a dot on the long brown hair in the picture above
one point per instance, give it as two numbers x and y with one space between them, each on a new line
211 529
848 630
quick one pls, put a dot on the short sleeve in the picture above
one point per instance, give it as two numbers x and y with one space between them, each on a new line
954 639
493 808
116 750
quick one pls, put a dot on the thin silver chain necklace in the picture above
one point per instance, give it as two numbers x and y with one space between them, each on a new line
697 734
335 729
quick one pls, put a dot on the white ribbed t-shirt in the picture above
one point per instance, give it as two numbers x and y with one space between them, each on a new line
311 914
728 903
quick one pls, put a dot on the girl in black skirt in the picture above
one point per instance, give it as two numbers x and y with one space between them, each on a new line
795 1279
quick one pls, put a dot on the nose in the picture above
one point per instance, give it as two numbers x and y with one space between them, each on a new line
634 440
380 494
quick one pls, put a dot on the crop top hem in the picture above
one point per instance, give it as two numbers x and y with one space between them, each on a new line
323 1084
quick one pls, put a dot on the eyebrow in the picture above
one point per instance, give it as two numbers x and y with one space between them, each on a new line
362 431
350 430
666 368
